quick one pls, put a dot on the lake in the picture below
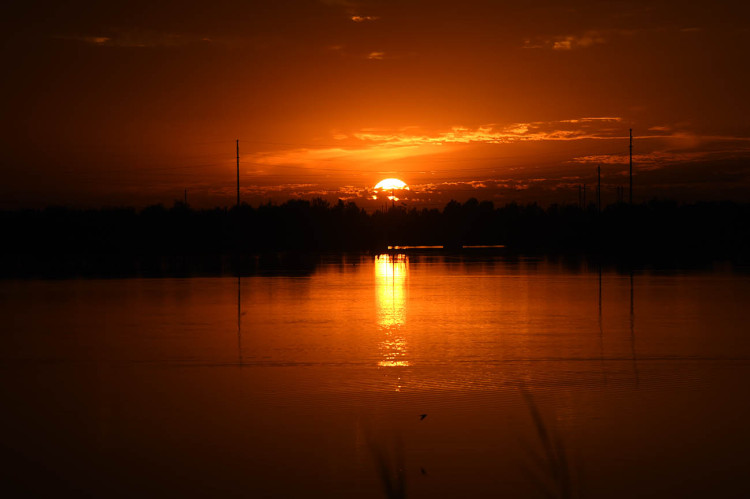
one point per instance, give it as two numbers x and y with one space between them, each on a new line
394 375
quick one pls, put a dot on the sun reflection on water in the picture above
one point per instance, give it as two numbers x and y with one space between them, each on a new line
391 273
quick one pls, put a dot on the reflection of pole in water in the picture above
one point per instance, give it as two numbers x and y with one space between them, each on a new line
393 285
632 330
239 318
601 326
600 296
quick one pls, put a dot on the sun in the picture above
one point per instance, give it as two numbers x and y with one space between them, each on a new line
390 187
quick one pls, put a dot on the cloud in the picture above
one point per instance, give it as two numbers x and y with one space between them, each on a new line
484 188
552 187
568 42
139 38
375 147
427 192
440 164
362 19
655 158
94 40
353 9
571 41
573 129
285 191
666 146
378 56
348 192
279 188
660 158
322 158
369 149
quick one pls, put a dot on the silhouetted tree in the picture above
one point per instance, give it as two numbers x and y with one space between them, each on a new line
123 239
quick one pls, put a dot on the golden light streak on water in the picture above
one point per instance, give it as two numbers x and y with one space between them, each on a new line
391 275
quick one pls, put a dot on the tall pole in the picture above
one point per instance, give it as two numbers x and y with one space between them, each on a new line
238 173
630 197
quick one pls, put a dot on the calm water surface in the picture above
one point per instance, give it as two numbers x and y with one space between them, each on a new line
536 380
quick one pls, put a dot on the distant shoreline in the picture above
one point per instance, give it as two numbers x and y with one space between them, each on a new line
178 240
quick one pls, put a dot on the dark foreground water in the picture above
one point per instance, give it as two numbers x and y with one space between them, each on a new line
536 380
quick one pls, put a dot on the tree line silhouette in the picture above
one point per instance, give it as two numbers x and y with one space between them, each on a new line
58 237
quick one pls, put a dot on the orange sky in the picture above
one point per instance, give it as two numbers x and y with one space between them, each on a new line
129 103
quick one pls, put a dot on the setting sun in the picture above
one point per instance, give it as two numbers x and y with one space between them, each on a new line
391 187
